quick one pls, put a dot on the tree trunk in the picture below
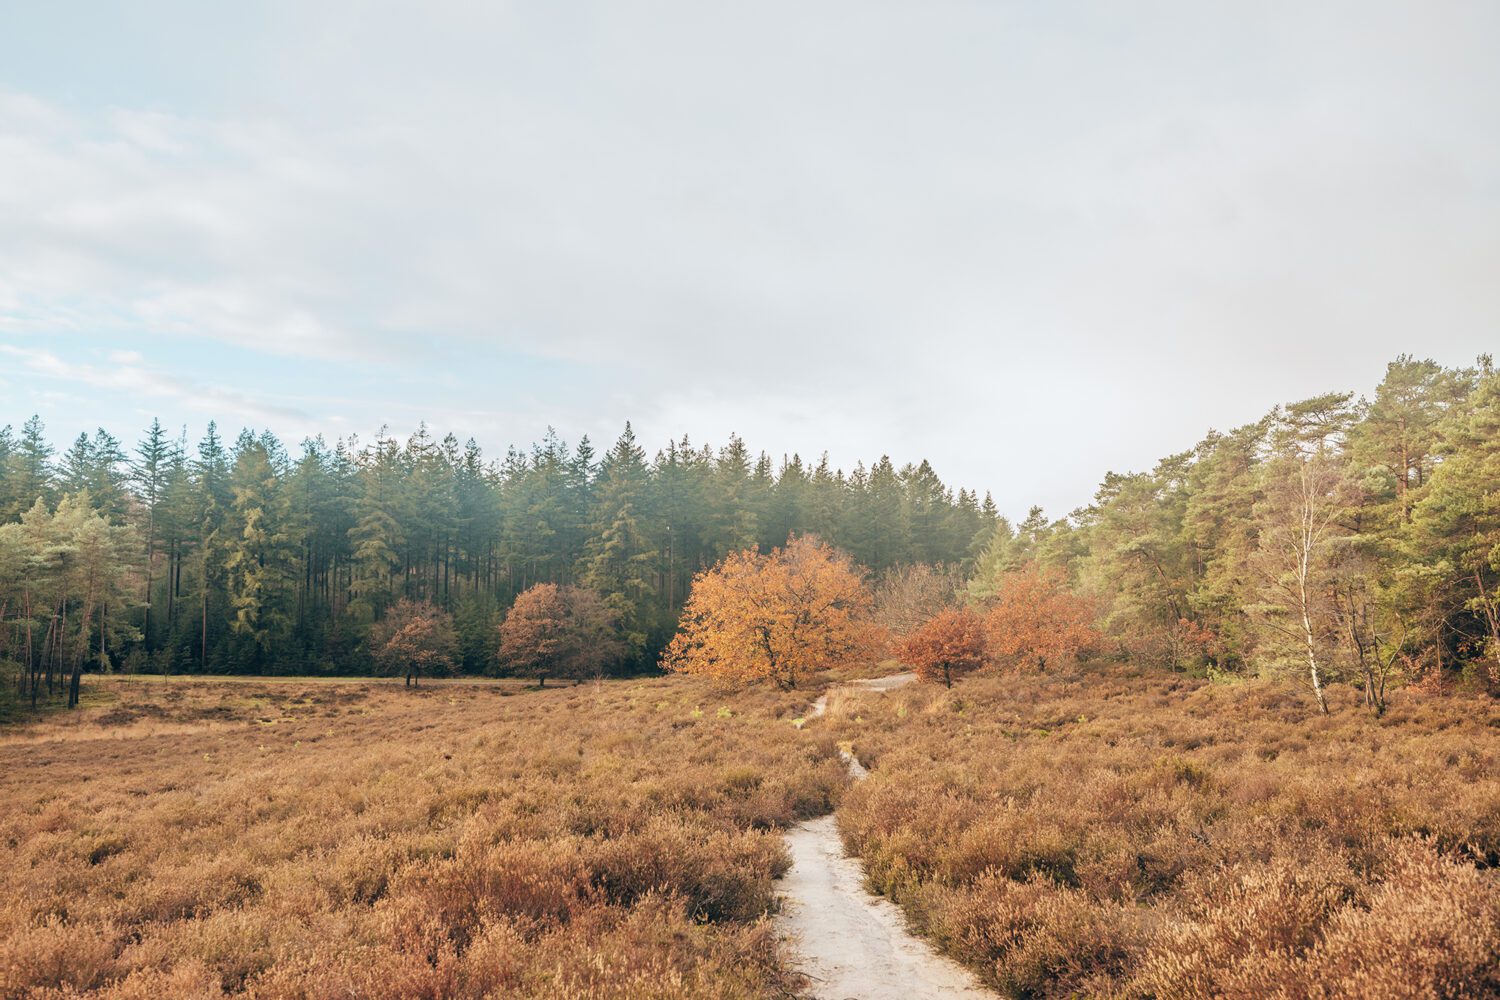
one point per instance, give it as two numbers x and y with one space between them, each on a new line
1492 620
1312 656
1306 543
150 566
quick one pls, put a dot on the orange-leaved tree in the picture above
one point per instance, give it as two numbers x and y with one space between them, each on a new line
949 645
412 637
802 608
553 631
1035 618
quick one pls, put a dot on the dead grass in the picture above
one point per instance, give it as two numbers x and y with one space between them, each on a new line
284 840
1113 833
1099 833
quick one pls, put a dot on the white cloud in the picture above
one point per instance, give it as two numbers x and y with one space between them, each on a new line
127 375
1083 233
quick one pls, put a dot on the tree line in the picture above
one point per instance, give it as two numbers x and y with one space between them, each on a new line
1347 539
1344 538
242 557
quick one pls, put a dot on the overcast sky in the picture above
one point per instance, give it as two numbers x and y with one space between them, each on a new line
1028 241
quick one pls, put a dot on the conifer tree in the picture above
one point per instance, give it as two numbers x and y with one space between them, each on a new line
377 536
29 471
153 458
260 555
620 561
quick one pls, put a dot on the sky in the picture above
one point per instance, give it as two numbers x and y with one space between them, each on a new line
1030 242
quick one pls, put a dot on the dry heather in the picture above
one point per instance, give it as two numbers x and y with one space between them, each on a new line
321 841
1116 833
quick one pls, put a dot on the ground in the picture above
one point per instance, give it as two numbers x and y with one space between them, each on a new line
292 839
1098 831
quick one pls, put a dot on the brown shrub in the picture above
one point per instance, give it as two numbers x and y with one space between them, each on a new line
618 840
1116 832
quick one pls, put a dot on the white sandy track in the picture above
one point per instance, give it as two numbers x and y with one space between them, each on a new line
849 943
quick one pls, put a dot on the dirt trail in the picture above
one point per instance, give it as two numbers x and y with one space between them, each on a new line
852 944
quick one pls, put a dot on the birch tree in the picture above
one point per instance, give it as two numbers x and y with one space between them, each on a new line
1300 533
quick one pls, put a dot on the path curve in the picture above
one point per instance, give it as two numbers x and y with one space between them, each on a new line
850 943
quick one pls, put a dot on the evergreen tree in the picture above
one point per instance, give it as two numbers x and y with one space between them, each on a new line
378 535
150 472
260 560
621 560
29 471
213 496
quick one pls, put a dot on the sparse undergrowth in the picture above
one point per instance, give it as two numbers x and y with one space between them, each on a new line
1115 833
616 840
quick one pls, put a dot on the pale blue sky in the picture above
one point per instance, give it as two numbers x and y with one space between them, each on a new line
1028 241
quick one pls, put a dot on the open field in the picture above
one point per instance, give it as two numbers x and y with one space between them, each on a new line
1102 833
1117 833
284 840
128 706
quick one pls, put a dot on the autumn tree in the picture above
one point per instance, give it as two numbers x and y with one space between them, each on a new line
949 645
801 608
413 637
1035 618
907 597
560 631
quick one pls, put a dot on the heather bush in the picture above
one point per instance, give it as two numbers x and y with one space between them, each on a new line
1112 832
320 841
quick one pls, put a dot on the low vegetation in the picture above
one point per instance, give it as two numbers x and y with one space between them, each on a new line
1132 833
310 840
1277 775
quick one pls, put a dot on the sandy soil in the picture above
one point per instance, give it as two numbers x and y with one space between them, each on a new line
871 684
853 944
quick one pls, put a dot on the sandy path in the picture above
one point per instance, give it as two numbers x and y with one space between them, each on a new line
852 944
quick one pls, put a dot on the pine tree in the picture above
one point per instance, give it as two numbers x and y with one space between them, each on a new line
1454 539
889 517
211 479
29 471
153 462
732 521
621 561
378 534
261 555
8 501
94 465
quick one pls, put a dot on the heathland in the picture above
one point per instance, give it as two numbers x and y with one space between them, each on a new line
1088 831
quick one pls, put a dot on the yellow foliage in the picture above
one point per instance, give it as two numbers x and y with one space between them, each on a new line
802 608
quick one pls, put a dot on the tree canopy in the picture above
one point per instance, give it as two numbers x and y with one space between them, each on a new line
1035 619
950 644
248 558
414 637
780 616
232 554
553 631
